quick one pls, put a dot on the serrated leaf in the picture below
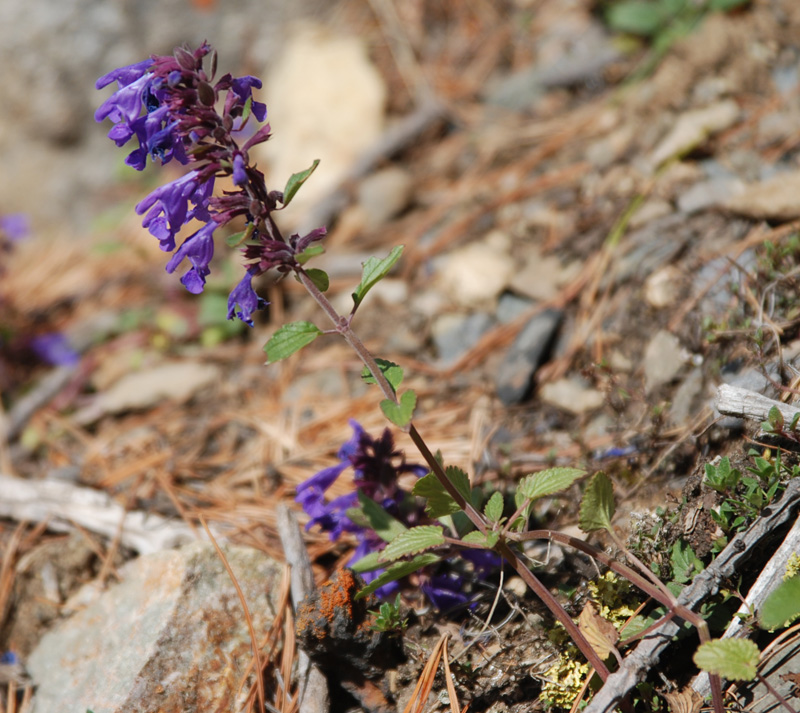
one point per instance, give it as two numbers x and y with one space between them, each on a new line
547 482
385 526
460 480
290 338
400 413
734 659
295 181
412 542
494 507
319 278
375 270
397 571
600 633
782 605
438 502
311 251
391 371
476 537
597 506
685 563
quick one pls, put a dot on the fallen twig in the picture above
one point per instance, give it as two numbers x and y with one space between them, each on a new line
314 696
60 504
743 403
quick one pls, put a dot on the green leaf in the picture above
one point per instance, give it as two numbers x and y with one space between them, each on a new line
685 563
319 278
390 370
547 482
385 526
374 271
308 253
295 181
235 240
636 17
494 507
400 413
439 502
476 537
782 605
734 659
775 418
397 571
367 563
597 506
412 542
460 480
290 338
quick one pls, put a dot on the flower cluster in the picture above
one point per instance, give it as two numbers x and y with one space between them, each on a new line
168 104
377 465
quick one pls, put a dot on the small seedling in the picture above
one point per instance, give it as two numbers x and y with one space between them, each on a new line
388 617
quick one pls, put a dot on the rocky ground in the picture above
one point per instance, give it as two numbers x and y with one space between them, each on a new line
597 236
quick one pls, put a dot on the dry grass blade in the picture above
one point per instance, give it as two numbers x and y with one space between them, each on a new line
416 703
254 644
287 661
7 569
448 679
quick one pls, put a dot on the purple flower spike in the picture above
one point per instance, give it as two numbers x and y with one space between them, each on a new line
167 106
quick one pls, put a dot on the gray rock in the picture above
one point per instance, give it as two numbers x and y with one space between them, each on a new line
686 398
572 395
663 360
526 354
383 195
170 636
709 194
511 306
455 334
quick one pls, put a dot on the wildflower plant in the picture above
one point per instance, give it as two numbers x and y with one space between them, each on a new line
173 110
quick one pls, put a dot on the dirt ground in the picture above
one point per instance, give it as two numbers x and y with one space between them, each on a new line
643 198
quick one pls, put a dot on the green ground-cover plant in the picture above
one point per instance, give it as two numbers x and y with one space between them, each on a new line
169 106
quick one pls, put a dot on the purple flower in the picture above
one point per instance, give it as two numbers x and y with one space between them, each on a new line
245 296
239 173
376 466
243 89
15 226
198 248
169 207
54 349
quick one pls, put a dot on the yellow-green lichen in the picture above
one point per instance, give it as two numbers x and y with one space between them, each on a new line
564 682
792 567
